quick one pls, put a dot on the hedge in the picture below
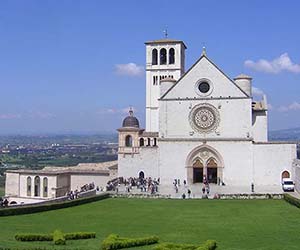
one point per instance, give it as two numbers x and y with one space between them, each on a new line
49 237
47 207
34 237
168 246
208 245
113 242
292 200
58 238
79 235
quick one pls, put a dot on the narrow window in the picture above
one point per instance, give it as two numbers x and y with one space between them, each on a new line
142 142
171 56
149 142
154 144
163 56
45 187
128 141
37 186
28 186
154 57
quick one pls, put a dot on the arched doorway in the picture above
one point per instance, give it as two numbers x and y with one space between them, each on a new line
212 171
141 175
197 171
204 162
285 174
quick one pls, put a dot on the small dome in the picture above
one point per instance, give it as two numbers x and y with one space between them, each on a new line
131 121
242 76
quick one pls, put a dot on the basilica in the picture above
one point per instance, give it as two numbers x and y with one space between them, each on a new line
200 125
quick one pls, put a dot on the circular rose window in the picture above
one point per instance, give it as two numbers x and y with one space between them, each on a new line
204 87
204 118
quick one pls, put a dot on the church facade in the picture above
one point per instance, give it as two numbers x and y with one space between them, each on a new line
200 125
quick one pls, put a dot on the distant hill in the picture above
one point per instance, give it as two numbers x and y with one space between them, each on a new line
292 134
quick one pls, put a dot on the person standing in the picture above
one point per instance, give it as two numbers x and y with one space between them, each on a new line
189 193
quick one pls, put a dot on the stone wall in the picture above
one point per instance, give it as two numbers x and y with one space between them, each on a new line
129 165
12 184
79 180
296 165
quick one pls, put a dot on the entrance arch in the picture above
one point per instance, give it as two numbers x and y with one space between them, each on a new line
141 175
285 174
204 163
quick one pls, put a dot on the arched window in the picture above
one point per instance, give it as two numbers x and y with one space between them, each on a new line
212 163
28 186
37 186
142 142
163 56
154 143
171 56
128 141
197 164
154 57
149 142
45 187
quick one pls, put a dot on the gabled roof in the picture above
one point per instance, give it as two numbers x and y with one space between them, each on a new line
203 56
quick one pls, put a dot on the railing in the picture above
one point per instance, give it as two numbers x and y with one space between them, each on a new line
129 150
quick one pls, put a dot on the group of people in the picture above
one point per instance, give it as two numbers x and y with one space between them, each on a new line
3 202
143 184
76 194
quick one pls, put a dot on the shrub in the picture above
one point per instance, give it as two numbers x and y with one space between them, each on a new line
79 235
113 242
173 246
34 237
28 209
58 238
292 200
208 245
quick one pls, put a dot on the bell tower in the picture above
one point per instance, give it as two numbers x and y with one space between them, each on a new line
165 58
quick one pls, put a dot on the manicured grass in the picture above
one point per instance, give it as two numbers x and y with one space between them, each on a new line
236 224
2 191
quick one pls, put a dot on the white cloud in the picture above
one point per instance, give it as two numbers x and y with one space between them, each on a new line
129 69
10 116
40 115
257 91
293 106
282 63
104 111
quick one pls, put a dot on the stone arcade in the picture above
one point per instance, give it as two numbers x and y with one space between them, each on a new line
200 124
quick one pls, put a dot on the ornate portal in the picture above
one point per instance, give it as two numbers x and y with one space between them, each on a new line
204 118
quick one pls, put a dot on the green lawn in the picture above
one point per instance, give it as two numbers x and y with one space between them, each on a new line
2 191
236 224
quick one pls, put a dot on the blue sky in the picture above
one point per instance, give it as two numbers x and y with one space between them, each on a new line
75 66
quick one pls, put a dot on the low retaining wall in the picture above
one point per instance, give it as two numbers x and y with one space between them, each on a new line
249 196
40 207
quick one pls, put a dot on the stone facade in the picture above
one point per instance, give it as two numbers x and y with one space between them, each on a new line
30 186
206 126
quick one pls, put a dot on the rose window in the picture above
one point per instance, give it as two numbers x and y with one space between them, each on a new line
204 118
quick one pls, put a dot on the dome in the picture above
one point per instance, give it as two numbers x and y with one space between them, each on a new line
131 121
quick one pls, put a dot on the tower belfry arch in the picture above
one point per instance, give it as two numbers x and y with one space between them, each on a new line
204 163
165 59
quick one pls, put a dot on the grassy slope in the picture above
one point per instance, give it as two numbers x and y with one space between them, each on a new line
238 224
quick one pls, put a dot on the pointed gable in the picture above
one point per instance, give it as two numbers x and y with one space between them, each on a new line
204 70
